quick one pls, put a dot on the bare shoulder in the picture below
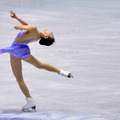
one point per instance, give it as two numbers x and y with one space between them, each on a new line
32 30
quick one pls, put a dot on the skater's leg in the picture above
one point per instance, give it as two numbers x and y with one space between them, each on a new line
17 71
32 60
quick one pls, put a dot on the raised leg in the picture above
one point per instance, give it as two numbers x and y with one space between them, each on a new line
16 66
32 60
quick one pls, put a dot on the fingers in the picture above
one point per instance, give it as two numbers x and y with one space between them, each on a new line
13 14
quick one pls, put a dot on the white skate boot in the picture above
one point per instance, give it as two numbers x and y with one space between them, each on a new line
30 106
65 73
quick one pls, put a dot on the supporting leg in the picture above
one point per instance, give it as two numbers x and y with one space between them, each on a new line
16 66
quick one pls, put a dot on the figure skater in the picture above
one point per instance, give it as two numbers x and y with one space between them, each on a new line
19 50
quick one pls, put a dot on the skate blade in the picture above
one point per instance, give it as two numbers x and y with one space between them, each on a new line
32 109
70 75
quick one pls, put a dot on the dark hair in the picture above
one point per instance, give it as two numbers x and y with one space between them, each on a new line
48 41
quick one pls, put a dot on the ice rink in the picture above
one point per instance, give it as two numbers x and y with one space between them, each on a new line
87 43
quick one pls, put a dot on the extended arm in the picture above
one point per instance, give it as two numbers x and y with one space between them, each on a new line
25 27
13 15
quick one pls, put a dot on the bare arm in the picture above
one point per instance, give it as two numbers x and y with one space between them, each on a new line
21 27
13 15
25 27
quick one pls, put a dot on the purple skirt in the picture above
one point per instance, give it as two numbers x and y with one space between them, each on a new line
18 50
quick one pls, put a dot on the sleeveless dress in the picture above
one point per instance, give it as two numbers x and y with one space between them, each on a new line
18 49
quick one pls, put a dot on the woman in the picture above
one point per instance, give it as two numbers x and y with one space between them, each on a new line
19 50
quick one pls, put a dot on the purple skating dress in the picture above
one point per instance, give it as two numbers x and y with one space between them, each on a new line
18 49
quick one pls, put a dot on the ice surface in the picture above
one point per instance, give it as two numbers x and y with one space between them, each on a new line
87 44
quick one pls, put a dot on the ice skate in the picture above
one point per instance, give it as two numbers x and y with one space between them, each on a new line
30 106
65 74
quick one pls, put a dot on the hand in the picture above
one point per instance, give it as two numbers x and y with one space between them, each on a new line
13 14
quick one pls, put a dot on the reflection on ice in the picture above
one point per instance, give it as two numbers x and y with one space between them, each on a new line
45 116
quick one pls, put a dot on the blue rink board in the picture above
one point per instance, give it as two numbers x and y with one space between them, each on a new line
45 116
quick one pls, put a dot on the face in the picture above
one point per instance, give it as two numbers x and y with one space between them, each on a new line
48 33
